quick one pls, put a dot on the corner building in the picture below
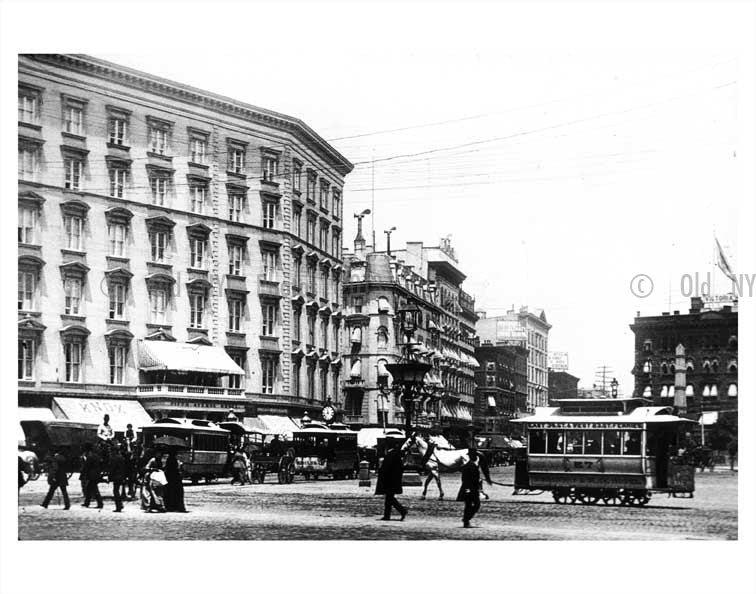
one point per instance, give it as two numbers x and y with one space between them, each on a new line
168 239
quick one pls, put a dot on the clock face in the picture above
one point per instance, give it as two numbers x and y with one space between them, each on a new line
328 413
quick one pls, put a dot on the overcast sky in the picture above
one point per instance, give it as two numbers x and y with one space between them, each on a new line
565 148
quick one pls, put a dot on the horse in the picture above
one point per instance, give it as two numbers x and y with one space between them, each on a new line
28 467
436 460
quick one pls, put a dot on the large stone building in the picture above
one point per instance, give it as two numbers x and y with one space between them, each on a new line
169 241
708 334
377 285
501 386
529 329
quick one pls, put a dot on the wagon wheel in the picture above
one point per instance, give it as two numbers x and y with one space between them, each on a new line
284 472
636 498
564 495
588 497
612 496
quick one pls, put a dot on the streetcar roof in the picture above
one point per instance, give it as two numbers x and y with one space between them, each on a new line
186 425
642 414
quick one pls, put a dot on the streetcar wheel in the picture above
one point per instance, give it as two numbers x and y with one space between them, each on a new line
611 497
636 498
588 497
195 479
208 479
564 495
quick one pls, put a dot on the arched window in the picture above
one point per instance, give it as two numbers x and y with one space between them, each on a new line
647 392
707 391
689 390
672 368
714 391
732 365
664 392
647 346
733 341
689 365
715 365
732 390
707 366
382 336
664 370
647 366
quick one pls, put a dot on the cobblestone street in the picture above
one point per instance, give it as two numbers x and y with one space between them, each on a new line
342 510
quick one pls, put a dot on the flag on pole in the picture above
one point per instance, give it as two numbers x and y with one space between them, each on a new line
722 262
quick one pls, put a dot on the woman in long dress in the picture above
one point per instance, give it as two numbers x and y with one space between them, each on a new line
151 494
174 488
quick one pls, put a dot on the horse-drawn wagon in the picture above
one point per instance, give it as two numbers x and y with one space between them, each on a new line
267 452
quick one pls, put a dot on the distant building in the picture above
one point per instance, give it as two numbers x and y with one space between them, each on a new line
529 329
562 385
501 387
709 335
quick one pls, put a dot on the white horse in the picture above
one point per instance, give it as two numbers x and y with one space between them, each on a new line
437 460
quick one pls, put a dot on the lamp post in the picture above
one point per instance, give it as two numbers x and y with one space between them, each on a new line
614 385
388 233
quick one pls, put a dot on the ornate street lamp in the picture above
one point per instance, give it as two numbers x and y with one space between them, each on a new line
614 385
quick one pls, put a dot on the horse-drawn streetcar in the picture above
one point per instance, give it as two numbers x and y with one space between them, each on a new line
322 450
614 451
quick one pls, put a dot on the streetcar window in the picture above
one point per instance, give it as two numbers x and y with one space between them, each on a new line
574 442
537 442
612 441
632 443
593 443
555 442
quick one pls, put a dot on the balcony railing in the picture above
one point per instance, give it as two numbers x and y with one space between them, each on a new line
189 390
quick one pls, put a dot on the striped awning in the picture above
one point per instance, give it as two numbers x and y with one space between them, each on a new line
157 355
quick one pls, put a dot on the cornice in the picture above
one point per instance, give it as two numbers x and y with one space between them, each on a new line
143 81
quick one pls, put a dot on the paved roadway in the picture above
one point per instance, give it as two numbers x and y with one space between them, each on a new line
327 509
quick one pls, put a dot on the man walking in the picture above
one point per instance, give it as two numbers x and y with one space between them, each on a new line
117 474
469 492
91 470
390 482
57 479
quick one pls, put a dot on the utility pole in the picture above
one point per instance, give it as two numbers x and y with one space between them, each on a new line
603 378
372 199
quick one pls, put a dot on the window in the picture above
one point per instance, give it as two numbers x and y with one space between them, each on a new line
117 297
357 303
632 443
237 381
593 443
117 130
297 324
27 284
324 284
28 161
732 390
159 185
159 245
647 346
269 313
235 312
117 237
336 194
310 329
323 383
269 214
336 244
117 356
25 359
73 227
197 248
647 367
323 237
612 441
236 160
296 176
27 223
269 168
336 337
117 181
311 183
537 441
158 140
235 260
297 224
198 149
324 194
73 352
197 197
235 206
268 375
72 291
336 291
158 302
74 168
324 332
311 278
297 271
296 370
28 106
311 382
269 263
73 117
197 310
310 229
491 379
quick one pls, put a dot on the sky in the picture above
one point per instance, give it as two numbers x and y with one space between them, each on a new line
563 161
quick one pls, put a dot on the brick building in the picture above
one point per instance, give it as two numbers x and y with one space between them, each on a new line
376 286
709 336
501 386
169 240
562 385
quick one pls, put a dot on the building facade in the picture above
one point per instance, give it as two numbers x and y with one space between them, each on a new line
376 287
529 329
562 385
708 334
501 387
168 241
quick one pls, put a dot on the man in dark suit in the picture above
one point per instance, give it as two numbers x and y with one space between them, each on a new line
390 482
57 479
91 470
117 474
469 492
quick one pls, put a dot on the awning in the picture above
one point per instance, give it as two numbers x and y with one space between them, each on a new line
271 425
357 335
368 436
91 410
492 402
356 371
474 362
178 356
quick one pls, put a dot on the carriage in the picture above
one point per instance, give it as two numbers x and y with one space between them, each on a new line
268 453
614 451
43 438
321 450
205 445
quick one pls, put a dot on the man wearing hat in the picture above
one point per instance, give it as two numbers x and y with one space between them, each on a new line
469 492
390 482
